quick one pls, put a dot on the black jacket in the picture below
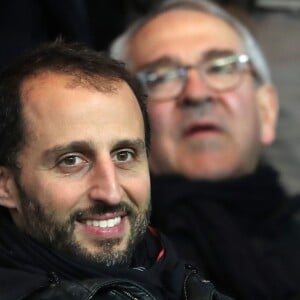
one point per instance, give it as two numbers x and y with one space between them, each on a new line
244 234
30 271
194 288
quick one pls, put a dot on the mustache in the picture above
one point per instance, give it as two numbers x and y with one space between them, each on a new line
100 208
199 106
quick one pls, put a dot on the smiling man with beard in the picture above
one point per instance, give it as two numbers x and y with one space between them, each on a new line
75 188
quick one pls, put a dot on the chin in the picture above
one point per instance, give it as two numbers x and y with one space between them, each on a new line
211 173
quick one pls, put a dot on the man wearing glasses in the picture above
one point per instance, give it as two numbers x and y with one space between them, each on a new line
212 109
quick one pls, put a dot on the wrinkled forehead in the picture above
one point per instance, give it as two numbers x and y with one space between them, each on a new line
183 34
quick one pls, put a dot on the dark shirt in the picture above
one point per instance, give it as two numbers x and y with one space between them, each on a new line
244 234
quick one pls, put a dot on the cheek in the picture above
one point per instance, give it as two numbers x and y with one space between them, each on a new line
243 105
245 124
58 195
161 117
138 191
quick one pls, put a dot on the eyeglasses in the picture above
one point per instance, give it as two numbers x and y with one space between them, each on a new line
169 80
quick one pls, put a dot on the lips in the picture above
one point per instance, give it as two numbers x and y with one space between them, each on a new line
105 226
201 128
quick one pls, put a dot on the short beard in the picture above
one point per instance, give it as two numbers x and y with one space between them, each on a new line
42 226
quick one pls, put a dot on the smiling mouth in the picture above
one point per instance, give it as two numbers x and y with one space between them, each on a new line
109 223
105 226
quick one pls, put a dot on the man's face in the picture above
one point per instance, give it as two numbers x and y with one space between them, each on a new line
83 185
203 133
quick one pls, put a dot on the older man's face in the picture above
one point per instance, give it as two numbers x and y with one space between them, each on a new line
204 133
83 185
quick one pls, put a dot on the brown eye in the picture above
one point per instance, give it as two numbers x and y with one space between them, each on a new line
123 156
71 160
72 163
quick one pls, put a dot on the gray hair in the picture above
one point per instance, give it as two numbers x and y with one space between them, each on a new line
120 47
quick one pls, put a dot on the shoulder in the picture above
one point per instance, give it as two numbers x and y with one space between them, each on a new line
195 287
93 289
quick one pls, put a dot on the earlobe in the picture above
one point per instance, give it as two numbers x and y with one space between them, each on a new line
268 112
7 194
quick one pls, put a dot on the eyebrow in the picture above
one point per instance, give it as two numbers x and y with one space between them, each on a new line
136 143
166 60
215 53
76 146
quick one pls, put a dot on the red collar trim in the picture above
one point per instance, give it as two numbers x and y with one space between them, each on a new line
162 251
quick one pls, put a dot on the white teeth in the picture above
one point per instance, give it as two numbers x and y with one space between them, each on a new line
110 223
104 223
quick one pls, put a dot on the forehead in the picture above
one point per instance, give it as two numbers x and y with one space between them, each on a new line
57 111
182 34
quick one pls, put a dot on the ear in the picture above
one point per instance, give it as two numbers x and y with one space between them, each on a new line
8 195
267 100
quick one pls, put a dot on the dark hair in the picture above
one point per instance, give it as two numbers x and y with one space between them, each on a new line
88 66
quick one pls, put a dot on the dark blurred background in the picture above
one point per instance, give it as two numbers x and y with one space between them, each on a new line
275 23
24 24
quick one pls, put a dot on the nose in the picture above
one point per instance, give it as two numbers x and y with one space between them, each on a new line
195 90
105 185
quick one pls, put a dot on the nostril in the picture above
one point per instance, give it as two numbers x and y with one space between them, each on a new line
196 101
